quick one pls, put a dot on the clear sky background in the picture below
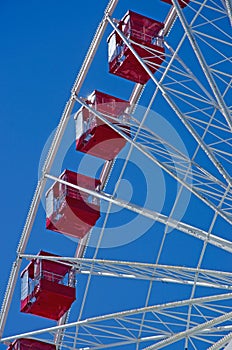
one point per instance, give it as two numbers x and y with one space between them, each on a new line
43 44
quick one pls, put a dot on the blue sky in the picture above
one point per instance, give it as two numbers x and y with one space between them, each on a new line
42 47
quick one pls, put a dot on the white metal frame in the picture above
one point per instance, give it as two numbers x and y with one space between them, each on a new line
218 200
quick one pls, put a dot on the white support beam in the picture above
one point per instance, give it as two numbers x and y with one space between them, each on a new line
128 313
169 21
93 47
229 9
224 109
143 150
183 227
190 332
144 271
222 342
166 96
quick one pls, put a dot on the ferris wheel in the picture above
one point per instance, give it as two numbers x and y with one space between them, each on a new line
149 207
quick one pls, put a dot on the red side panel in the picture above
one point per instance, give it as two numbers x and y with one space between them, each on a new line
127 66
142 28
55 268
182 3
103 142
49 299
76 211
30 344
98 139
80 180
107 104
75 219
143 31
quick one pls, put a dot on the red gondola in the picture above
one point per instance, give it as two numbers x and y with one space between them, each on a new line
47 288
30 344
71 211
182 3
95 137
145 36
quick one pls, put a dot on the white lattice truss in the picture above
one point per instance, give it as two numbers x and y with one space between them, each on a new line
198 90
165 324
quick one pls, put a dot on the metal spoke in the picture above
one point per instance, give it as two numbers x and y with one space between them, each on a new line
153 272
